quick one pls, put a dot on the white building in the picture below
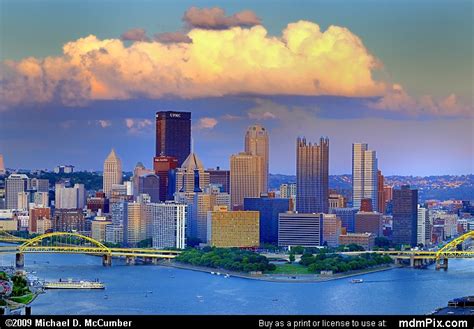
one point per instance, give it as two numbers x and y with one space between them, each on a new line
424 226
70 197
169 225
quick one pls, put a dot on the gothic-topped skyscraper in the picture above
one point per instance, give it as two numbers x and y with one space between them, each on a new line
173 135
256 143
112 172
312 176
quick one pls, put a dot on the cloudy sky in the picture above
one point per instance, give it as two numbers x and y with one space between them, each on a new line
80 77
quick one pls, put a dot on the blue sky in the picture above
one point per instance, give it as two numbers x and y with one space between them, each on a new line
424 46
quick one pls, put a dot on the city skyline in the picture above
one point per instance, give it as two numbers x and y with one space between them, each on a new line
406 117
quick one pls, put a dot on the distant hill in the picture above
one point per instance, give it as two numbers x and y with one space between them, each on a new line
460 187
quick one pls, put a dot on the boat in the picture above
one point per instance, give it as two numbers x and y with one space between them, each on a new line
357 281
71 284
226 276
213 273
218 273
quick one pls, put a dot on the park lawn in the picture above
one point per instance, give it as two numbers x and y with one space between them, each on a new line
290 269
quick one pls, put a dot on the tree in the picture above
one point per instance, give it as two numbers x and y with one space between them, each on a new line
292 257
382 242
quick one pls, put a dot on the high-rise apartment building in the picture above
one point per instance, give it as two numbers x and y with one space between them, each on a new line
70 197
173 135
112 172
405 215
169 224
364 175
312 176
69 220
424 226
14 184
245 178
257 143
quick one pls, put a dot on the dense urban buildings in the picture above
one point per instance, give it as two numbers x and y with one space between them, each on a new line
312 176
405 214
298 229
369 222
221 178
364 175
149 184
191 176
169 224
165 169
257 143
347 216
112 172
245 178
233 228
173 135
269 209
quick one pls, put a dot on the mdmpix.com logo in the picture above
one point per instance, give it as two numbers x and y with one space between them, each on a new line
433 323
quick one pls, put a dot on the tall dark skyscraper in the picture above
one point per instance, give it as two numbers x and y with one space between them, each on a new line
405 204
173 135
312 176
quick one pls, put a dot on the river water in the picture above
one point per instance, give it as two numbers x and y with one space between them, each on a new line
151 289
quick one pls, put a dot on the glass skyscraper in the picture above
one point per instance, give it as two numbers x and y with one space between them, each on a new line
364 175
173 135
312 176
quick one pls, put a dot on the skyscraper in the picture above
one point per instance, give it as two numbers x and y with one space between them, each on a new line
173 134
245 178
14 184
256 143
424 226
364 175
405 213
112 172
2 166
149 184
165 167
380 192
220 177
191 176
312 176
169 224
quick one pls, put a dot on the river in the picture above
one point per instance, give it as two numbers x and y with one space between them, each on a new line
151 289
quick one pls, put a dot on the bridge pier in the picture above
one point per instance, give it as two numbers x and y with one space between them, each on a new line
130 260
20 260
107 260
441 263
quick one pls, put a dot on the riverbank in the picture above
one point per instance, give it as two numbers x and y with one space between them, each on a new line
285 278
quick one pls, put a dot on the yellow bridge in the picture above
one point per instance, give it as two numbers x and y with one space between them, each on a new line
74 243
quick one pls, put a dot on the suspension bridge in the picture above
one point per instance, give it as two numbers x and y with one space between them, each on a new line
75 243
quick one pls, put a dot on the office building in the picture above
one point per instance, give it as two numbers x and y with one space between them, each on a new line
191 176
269 209
380 192
44 225
332 229
135 225
70 197
257 143
112 172
220 178
405 215
173 135
366 205
169 224
299 229
364 175
165 169
149 184
41 199
39 185
37 214
69 220
226 229
24 199
424 226
387 193
288 190
14 184
365 240
114 231
312 176
98 203
138 171
245 178
369 222
63 169
336 201
99 227
347 216
3 171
